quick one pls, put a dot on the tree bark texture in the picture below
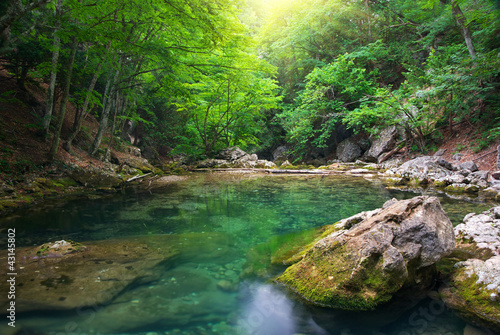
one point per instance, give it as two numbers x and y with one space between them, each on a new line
464 30
105 114
64 100
49 102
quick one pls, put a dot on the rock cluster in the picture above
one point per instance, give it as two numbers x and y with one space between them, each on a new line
427 170
234 157
373 255
474 286
482 229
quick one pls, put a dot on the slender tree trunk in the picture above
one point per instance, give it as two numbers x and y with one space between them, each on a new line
464 30
227 112
79 117
105 115
367 3
49 102
119 106
64 100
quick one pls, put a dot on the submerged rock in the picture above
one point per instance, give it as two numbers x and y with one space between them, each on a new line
373 255
66 275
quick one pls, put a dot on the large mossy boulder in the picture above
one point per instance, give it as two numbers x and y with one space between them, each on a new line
373 255
95 177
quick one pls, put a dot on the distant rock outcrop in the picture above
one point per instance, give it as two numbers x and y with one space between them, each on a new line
426 170
234 157
373 255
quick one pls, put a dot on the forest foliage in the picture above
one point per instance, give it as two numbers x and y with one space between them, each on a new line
192 77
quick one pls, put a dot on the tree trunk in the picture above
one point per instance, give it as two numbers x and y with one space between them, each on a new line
105 115
64 100
49 103
464 30
119 104
79 117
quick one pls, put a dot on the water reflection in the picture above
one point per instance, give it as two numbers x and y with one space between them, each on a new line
269 311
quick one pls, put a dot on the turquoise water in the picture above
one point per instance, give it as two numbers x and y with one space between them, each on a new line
215 220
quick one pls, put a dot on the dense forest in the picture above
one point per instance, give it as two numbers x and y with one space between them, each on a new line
194 76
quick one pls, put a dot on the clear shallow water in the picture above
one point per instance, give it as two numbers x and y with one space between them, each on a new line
200 292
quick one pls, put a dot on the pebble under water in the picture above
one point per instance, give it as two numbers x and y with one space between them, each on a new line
216 219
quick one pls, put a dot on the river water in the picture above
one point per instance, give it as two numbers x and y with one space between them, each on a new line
203 292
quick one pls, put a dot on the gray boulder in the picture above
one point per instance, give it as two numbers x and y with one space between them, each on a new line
211 163
469 165
348 150
440 153
368 258
231 154
483 229
444 163
385 142
95 177
479 178
281 153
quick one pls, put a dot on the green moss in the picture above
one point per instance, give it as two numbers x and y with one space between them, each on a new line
440 183
289 167
326 277
454 189
283 250
477 298
65 182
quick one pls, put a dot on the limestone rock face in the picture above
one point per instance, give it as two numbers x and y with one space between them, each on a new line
373 255
383 143
348 150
